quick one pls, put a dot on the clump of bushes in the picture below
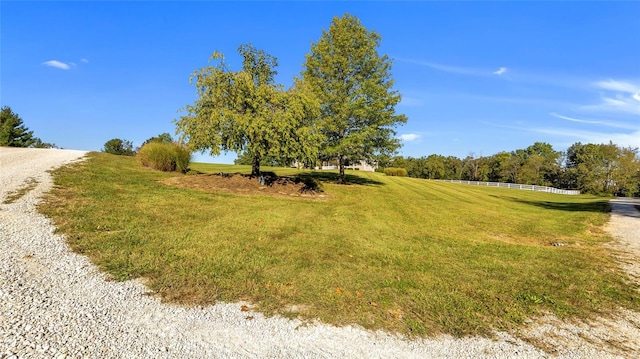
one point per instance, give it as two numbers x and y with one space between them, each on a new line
165 156
395 171
117 146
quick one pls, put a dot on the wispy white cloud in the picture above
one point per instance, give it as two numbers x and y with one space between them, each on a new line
523 76
573 119
500 71
622 139
63 65
620 103
570 136
449 68
408 137
618 97
612 124
57 64
618 86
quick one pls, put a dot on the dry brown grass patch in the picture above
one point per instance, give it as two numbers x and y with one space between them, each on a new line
238 183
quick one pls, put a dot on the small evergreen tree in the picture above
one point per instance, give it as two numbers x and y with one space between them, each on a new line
13 133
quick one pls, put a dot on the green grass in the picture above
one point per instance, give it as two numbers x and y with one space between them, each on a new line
400 254
21 191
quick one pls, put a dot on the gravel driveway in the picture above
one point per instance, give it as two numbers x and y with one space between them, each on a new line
54 303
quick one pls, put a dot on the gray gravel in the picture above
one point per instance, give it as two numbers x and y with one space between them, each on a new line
56 304
625 226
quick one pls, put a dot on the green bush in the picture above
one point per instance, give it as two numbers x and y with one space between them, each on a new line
395 171
165 156
117 146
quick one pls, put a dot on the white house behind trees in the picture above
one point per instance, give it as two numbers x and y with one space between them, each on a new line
330 165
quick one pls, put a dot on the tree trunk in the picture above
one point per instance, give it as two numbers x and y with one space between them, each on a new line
341 179
255 166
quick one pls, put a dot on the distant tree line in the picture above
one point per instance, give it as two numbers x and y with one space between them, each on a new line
122 147
605 169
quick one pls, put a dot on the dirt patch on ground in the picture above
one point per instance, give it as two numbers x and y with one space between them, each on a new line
238 183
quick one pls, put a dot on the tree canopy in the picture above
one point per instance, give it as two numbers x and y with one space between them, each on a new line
354 86
13 132
606 169
246 112
161 138
603 169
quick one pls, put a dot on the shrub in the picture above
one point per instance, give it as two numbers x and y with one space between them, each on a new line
165 156
182 157
120 147
395 171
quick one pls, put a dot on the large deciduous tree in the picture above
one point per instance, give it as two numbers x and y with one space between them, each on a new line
247 112
539 164
13 133
603 169
354 86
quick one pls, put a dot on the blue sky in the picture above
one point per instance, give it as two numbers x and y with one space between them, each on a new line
476 77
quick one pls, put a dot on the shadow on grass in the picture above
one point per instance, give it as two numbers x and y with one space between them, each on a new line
600 206
333 177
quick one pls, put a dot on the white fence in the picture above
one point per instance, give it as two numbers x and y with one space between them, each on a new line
527 187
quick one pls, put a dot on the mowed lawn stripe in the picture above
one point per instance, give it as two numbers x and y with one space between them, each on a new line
400 254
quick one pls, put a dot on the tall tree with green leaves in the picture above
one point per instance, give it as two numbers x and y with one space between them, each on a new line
435 167
354 86
247 112
539 164
13 132
603 169
627 172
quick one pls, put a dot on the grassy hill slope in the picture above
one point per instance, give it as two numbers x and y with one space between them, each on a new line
401 254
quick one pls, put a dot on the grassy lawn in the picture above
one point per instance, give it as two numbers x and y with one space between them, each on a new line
401 254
